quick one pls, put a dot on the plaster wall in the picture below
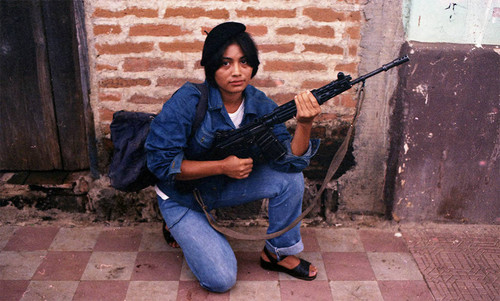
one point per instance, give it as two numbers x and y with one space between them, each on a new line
475 22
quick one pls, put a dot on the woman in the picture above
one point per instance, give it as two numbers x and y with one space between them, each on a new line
175 155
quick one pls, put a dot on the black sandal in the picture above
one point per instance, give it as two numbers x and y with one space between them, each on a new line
168 236
301 271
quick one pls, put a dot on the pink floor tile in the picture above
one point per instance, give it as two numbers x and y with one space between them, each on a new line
249 268
101 290
12 289
317 290
411 290
62 266
119 240
31 239
157 266
191 290
382 241
309 240
348 266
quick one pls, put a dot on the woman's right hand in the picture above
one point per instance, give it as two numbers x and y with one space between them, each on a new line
237 168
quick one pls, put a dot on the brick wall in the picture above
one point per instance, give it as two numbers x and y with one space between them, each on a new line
142 51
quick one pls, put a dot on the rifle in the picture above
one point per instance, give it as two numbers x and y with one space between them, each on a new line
239 142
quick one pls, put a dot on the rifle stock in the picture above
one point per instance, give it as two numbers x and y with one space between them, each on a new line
239 142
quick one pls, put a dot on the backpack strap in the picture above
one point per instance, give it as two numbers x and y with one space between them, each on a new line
201 107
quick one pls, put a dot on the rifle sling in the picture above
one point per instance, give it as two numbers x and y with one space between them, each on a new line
334 165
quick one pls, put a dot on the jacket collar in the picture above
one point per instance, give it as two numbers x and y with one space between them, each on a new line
215 99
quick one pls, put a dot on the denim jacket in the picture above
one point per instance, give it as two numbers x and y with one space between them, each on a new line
170 139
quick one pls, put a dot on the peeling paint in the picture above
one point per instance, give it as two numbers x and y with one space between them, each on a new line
422 89
452 171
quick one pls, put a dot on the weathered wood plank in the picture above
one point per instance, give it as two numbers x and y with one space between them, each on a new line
28 132
62 47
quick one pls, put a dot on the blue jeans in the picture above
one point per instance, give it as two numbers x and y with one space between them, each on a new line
207 252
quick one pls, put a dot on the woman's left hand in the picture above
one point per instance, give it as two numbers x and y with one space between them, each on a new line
307 107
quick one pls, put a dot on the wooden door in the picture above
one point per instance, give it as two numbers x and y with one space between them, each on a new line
42 123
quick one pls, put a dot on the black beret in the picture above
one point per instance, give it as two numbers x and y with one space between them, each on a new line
219 36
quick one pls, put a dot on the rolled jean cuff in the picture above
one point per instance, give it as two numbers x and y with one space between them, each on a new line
292 250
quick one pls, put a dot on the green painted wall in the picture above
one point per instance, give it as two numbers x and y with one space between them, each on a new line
461 21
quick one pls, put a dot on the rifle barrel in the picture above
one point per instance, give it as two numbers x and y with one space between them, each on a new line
343 83
385 67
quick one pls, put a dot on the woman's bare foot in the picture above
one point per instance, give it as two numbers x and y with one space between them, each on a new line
290 262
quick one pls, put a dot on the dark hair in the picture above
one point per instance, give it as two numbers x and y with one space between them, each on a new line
245 41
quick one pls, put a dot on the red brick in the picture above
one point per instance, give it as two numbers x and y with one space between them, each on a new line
354 16
257 30
280 48
267 13
135 11
175 82
110 96
293 66
326 117
282 98
324 14
347 100
107 29
100 67
196 46
106 114
254 30
267 83
132 64
323 31
205 29
144 99
353 51
156 30
196 12
308 84
350 68
123 48
320 48
123 82
354 33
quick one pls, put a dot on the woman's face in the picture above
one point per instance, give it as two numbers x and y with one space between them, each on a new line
235 73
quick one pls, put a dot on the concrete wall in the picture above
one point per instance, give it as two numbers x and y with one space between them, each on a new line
361 188
445 134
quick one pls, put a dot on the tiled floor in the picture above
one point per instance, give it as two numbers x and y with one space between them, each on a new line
134 263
